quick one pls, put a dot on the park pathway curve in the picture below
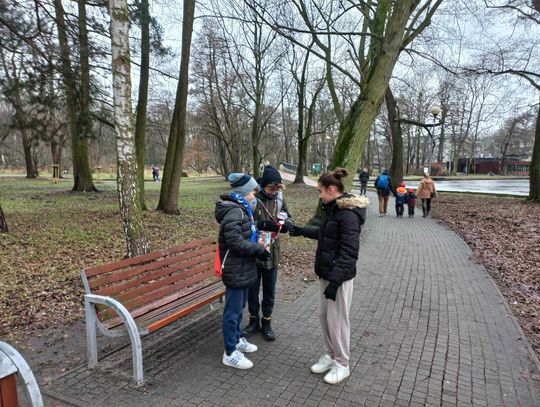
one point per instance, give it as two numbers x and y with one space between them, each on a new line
429 328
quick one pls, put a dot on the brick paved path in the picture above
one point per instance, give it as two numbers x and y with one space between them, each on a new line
429 327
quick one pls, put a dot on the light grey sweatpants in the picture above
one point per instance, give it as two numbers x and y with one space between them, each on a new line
335 324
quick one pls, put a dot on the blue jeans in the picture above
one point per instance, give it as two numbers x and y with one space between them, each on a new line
235 300
268 278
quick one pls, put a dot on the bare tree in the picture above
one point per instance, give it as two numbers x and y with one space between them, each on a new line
125 141
172 173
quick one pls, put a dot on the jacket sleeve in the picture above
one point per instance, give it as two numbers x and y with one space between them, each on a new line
349 242
311 229
234 239
376 182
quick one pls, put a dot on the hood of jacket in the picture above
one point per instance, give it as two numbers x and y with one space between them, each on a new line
401 190
349 201
224 206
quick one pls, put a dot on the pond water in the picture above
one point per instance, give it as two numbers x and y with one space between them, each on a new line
496 186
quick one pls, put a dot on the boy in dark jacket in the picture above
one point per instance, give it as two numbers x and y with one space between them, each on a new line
238 249
411 202
272 217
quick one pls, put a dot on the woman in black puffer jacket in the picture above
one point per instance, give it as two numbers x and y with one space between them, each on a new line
338 235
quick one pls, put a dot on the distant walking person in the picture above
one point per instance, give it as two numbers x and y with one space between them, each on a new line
426 191
384 186
338 241
364 178
155 173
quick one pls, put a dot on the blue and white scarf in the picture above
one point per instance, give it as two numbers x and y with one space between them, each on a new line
242 201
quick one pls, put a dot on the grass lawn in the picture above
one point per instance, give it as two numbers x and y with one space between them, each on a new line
53 233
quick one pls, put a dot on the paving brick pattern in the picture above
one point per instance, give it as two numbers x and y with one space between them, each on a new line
429 328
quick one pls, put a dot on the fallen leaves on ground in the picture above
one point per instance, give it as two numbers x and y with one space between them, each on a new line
504 235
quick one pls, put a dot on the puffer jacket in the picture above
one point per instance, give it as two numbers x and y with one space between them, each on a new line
338 235
425 188
274 205
401 195
239 267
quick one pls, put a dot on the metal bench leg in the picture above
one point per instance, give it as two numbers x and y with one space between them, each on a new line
91 335
138 375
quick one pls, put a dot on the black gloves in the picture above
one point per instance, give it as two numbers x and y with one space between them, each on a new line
264 256
267 225
331 291
296 231
287 226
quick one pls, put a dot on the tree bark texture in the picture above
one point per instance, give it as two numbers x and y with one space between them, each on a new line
140 124
172 173
82 174
396 168
3 223
130 209
534 170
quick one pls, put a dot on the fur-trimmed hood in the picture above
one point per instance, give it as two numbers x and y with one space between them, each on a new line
348 201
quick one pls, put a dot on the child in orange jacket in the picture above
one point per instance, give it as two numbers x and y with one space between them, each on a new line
401 199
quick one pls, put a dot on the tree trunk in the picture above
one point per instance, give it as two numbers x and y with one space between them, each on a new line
396 167
56 154
82 174
31 170
172 173
123 124
3 222
534 169
140 124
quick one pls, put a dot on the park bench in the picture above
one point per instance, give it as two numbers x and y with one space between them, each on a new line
13 366
145 293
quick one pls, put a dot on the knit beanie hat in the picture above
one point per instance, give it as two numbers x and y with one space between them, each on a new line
242 183
270 176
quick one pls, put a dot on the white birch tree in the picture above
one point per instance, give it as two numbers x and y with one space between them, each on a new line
130 208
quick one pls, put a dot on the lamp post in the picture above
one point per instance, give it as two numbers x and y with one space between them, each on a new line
435 111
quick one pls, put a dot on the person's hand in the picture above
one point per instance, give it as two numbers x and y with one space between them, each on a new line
331 291
264 256
267 225
296 231
287 226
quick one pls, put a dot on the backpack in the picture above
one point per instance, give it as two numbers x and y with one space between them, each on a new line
384 182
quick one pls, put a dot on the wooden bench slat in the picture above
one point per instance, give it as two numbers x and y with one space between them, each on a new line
181 280
180 313
171 304
115 289
123 275
150 298
105 268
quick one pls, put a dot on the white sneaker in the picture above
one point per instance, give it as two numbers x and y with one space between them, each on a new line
237 360
337 374
325 363
244 346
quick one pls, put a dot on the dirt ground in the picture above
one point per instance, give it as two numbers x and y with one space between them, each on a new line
504 235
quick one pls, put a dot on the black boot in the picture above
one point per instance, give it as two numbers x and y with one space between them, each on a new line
252 328
266 329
